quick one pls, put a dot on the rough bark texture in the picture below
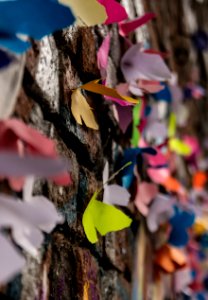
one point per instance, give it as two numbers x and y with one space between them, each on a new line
68 266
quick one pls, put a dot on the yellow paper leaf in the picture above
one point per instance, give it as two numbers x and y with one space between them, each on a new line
172 125
95 87
89 12
82 111
201 225
179 147
104 218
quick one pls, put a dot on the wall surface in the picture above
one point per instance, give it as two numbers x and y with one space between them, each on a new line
69 267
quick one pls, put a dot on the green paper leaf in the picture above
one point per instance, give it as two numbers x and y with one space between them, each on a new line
136 114
135 137
103 218
136 121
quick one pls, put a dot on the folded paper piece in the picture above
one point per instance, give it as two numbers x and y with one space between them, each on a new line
201 225
173 185
103 218
146 192
136 120
156 131
182 279
124 116
164 95
150 86
12 164
102 56
114 194
193 143
199 180
22 16
180 147
5 59
115 11
160 212
89 12
12 131
43 204
170 258
127 27
158 160
30 152
14 44
95 12
137 65
118 101
130 155
135 90
123 89
159 176
82 111
26 219
11 261
172 125
152 51
180 222
162 109
97 88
